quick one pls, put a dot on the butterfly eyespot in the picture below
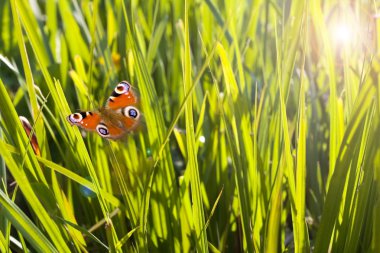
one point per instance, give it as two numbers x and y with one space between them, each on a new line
102 130
131 112
75 117
122 87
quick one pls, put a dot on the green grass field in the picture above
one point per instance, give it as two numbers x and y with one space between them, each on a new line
260 128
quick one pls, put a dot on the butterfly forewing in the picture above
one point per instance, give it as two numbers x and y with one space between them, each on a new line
122 96
85 120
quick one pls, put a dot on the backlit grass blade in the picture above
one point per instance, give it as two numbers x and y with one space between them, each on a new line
72 32
336 132
80 180
23 224
3 243
375 244
10 117
272 236
84 231
164 179
29 80
360 214
235 146
301 236
63 109
335 193
192 160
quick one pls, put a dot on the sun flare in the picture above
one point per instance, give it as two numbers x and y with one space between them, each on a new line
343 34
344 29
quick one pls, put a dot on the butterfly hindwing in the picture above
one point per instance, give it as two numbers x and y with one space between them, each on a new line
109 131
132 117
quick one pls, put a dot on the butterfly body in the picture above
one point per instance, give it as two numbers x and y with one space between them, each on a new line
119 116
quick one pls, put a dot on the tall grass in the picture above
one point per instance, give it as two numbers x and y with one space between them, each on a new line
260 129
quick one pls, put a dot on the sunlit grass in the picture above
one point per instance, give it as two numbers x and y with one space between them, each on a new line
260 129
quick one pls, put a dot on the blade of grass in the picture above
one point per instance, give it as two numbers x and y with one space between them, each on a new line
83 230
360 206
3 242
234 143
14 125
301 238
29 80
350 140
23 224
192 163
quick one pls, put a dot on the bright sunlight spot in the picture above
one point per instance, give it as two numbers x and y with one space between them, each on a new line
343 34
344 29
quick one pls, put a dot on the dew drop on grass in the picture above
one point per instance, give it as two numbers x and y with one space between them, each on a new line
148 152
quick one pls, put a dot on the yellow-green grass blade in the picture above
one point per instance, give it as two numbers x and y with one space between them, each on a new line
28 160
121 180
82 181
272 236
59 104
354 175
29 80
364 190
28 191
25 12
164 178
155 42
83 231
192 160
375 244
292 37
125 238
233 136
74 39
3 242
336 132
24 225
301 236
284 158
63 109
336 191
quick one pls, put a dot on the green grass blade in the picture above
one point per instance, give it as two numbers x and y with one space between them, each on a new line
234 145
336 189
84 231
3 242
23 224
301 236
192 162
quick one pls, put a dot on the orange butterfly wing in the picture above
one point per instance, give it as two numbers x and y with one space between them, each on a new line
122 96
85 120
92 121
124 100
118 117
132 117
